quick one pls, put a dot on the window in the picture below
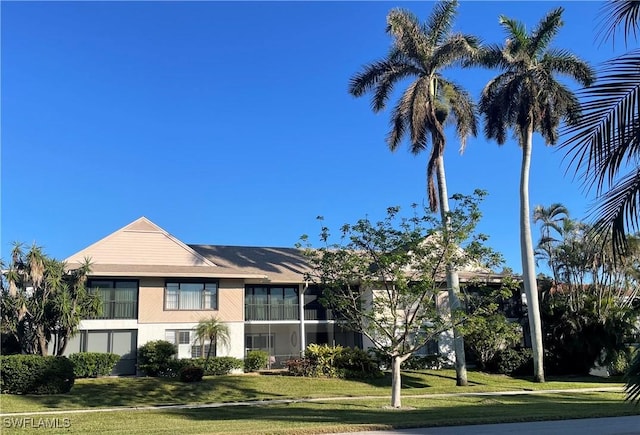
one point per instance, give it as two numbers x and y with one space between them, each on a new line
191 296
119 298
187 344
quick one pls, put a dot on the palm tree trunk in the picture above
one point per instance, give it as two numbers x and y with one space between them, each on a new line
453 283
528 264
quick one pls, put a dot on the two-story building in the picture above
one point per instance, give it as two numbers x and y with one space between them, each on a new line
155 287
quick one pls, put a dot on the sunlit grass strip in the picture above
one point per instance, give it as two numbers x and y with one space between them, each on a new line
332 416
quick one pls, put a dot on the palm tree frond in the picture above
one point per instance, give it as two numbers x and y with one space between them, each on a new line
608 132
616 13
544 32
440 21
619 210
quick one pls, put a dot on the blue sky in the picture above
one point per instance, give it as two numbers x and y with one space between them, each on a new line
230 123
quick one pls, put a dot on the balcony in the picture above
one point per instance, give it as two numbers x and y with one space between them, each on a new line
119 310
271 312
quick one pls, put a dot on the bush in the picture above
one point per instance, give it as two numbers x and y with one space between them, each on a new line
256 360
154 358
620 362
35 374
512 361
218 365
357 363
334 362
191 374
299 367
423 362
93 364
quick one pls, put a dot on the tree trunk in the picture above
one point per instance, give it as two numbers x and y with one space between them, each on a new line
453 283
396 381
528 264
42 342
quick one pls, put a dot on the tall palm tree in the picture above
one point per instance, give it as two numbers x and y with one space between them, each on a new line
527 97
605 142
420 52
214 331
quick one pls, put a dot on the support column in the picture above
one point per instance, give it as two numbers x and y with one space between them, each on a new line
303 337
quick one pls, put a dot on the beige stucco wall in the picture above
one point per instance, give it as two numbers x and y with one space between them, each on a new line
151 303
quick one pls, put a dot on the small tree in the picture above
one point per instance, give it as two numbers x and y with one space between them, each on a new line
214 331
384 279
43 301
487 331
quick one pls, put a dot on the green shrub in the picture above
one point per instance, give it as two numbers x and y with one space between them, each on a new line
620 362
356 363
334 362
173 367
217 366
93 364
191 374
424 362
35 374
512 361
256 360
154 358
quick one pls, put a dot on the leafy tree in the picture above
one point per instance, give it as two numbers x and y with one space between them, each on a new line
487 331
527 97
604 145
43 301
420 52
213 331
384 279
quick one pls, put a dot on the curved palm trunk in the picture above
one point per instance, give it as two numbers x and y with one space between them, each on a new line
528 264
453 283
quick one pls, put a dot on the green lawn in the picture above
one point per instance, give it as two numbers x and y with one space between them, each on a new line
326 416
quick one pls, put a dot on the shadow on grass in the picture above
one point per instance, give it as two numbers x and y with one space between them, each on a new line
432 412
575 378
125 392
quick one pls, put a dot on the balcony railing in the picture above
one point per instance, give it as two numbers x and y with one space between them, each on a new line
284 312
271 312
119 310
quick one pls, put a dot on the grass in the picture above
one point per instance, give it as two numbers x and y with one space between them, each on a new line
304 418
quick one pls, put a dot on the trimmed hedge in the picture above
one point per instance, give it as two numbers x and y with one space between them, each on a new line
217 365
35 374
93 364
